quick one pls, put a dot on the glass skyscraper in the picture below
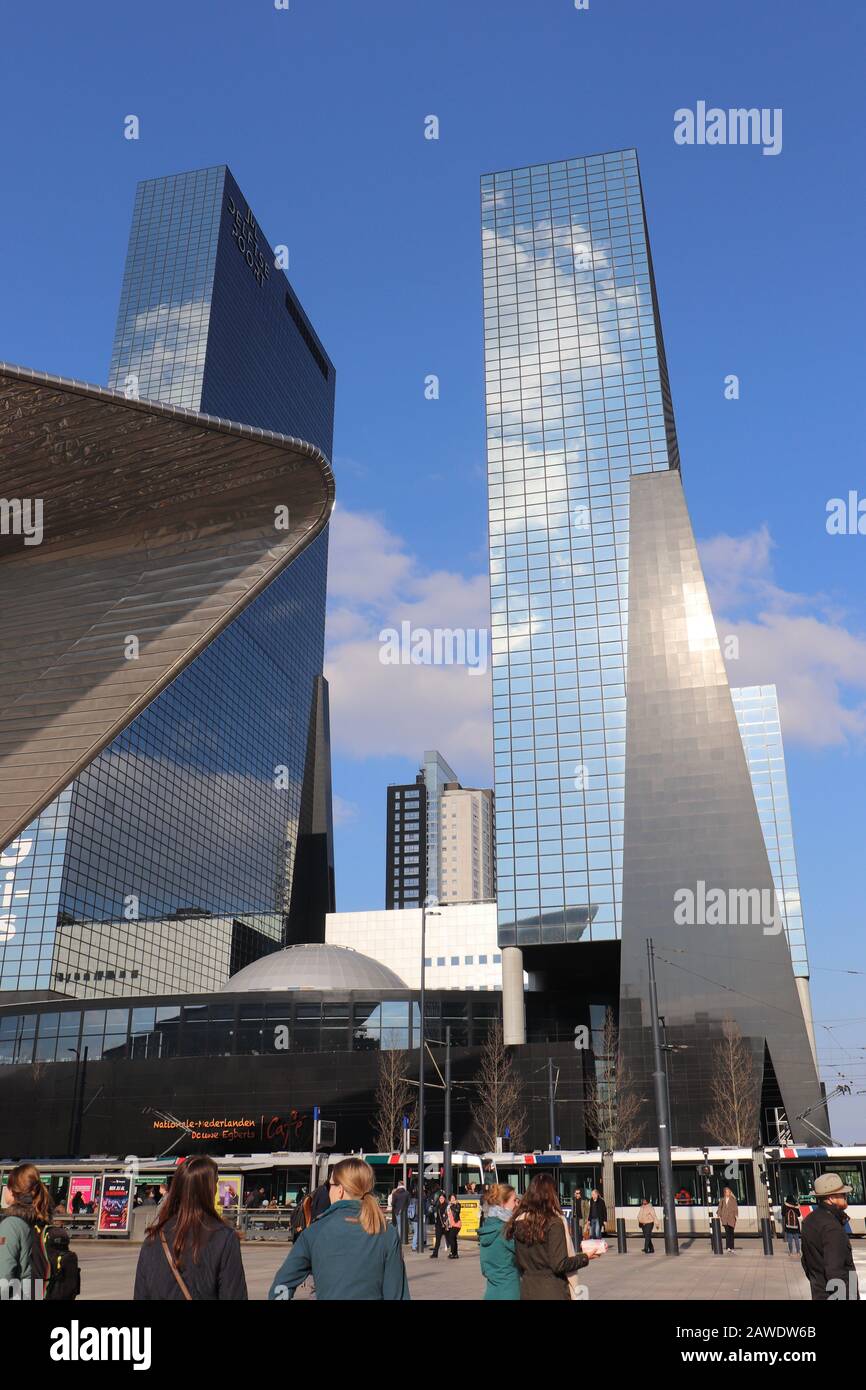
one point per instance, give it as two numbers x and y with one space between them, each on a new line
213 806
577 402
621 781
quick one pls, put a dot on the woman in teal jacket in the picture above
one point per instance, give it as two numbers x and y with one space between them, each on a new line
497 1253
350 1250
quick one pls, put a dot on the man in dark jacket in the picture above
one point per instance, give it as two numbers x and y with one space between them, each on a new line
399 1202
827 1258
321 1199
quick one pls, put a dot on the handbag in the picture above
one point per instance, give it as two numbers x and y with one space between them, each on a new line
174 1269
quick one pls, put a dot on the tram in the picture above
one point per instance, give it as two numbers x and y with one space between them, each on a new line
699 1176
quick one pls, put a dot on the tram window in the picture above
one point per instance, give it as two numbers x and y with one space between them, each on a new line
581 1181
736 1176
798 1179
637 1183
851 1176
689 1188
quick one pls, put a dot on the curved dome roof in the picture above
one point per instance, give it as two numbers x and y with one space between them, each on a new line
313 967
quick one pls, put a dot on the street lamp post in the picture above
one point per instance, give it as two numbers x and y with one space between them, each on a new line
663 1113
422 1216
447 1146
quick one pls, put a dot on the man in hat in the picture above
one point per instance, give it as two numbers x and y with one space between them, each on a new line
827 1258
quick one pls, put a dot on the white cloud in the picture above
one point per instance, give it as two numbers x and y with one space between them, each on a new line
345 811
792 640
391 710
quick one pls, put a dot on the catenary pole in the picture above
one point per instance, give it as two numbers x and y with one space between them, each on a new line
663 1113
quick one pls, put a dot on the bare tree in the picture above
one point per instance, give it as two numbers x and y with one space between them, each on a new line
612 1107
500 1095
393 1094
735 1089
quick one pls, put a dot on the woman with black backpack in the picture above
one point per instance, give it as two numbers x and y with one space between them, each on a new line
24 1220
188 1252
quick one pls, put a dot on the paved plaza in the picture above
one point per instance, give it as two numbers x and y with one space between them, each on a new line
108 1272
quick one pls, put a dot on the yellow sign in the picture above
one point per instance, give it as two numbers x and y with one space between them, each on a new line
470 1217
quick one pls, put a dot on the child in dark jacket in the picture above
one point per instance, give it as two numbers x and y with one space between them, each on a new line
64 1279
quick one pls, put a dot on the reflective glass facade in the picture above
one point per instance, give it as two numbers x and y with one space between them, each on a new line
577 403
196 807
757 711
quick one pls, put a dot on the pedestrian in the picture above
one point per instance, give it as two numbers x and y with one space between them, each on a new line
454 1224
351 1251
597 1214
64 1278
399 1203
827 1258
188 1253
647 1219
440 1224
791 1224
728 1212
24 1221
412 1209
577 1208
320 1200
496 1249
543 1248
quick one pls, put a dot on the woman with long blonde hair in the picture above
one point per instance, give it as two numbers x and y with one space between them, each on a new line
350 1250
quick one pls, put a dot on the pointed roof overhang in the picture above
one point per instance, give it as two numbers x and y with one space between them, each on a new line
159 526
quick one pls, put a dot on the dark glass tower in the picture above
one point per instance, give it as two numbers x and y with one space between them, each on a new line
201 836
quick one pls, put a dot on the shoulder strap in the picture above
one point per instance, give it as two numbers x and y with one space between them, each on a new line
173 1267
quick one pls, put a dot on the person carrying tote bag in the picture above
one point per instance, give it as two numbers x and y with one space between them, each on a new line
543 1249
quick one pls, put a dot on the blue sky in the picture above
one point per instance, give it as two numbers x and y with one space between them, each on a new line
320 112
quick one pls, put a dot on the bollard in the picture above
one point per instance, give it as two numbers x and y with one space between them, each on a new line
767 1234
716 1236
621 1237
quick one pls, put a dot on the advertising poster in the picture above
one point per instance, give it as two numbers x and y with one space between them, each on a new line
85 1185
470 1217
115 1204
230 1192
